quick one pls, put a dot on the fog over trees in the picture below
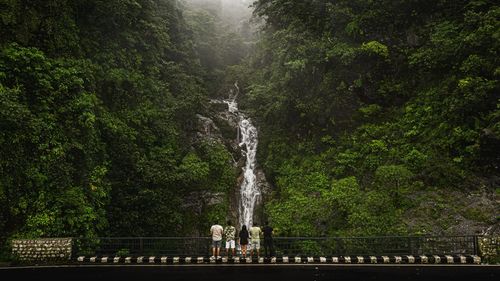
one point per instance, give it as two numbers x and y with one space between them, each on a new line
233 12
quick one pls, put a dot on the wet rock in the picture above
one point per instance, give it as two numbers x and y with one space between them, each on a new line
222 125
206 129
264 186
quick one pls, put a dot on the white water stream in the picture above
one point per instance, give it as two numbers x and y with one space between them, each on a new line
248 141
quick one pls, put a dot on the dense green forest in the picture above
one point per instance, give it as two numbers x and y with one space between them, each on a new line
375 117
97 112
380 116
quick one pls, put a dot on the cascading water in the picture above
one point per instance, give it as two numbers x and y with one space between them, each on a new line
249 191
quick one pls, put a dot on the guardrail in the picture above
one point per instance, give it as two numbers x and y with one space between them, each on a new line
283 246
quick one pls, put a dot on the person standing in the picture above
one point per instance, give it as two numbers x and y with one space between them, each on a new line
268 240
255 233
229 234
244 240
216 231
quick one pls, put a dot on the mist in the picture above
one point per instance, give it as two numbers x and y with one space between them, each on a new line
233 12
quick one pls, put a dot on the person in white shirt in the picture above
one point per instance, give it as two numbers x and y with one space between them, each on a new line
216 231
255 233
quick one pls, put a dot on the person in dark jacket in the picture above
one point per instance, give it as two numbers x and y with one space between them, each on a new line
244 240
268 240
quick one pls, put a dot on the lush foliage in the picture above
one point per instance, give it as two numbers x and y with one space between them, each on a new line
367 109
363 104
98 104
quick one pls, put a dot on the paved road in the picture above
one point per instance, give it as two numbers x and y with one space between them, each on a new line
254 272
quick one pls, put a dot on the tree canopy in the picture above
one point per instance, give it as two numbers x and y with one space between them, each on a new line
98 104
362 105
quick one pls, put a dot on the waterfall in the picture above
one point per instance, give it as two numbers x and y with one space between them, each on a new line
248 140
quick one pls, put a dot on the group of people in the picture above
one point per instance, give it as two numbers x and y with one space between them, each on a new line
246 237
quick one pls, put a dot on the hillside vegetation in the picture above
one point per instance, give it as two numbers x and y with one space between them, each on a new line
98 104
378 117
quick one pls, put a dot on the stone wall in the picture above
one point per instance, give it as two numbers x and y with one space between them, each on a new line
489 248
45 249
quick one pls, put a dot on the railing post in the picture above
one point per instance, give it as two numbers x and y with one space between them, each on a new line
141 246
410 245
476 245
339 247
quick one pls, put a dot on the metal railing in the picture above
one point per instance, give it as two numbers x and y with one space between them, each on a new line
283 246
395 245
139 246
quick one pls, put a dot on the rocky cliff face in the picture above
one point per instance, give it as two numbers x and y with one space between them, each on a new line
454 212
222 126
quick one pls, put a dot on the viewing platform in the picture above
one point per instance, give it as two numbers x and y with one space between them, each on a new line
286 250
296 258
